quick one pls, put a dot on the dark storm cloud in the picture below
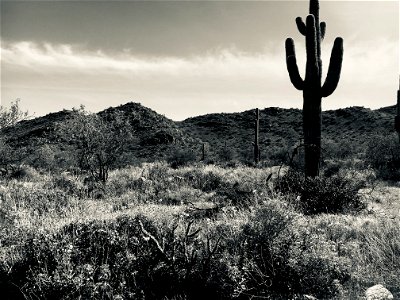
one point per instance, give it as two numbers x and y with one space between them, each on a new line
147 28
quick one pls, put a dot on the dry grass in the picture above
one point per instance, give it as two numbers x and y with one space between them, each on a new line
369 243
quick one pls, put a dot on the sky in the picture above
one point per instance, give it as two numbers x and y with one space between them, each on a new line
188 58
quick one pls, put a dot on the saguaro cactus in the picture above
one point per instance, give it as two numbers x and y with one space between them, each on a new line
313 91
203 151
397 118
256 135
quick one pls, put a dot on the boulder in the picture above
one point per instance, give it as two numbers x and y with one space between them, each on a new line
378 292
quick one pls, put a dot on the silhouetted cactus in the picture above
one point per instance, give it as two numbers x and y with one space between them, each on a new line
203 151
397 118
313 91
256 135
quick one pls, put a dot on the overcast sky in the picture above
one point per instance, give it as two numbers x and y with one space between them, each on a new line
188 58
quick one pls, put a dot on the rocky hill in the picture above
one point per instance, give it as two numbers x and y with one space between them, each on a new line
280 130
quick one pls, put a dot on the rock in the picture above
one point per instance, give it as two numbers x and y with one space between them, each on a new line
378 292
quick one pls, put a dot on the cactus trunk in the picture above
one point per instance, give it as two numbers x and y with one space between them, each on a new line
313 91
312 134
256 137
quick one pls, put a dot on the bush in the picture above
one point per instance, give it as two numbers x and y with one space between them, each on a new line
342 149
227 154
383 154
25 173
128 257
181 157
281 260
71 185
334 194
43 157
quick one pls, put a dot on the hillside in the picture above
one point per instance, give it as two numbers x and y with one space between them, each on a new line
282 128
156 135
35 131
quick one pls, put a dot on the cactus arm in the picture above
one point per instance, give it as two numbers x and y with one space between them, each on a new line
335 67
301 26
312 68
322 26
291 64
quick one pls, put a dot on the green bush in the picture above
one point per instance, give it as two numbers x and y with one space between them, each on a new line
334 194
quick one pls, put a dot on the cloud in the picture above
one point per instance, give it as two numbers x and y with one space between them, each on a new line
220 80
66 58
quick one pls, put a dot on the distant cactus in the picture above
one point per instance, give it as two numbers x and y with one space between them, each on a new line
397 118
256 137
313 91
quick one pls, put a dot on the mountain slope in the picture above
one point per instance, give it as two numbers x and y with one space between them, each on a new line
156 136
282 128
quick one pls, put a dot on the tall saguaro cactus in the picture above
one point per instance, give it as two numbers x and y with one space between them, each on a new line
312 87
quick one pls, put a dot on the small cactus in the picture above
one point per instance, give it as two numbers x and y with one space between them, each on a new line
256 137
203 151
397 118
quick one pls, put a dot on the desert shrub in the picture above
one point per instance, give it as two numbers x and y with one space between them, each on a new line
281 260
94 188
129 257
343 149
122 181
26 173
205 180
334 194
240 194
43 157
227 154
71 185
181 157
39 199
383 154
331 168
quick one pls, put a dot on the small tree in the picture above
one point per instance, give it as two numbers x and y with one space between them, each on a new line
11 116
10 157
98 142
